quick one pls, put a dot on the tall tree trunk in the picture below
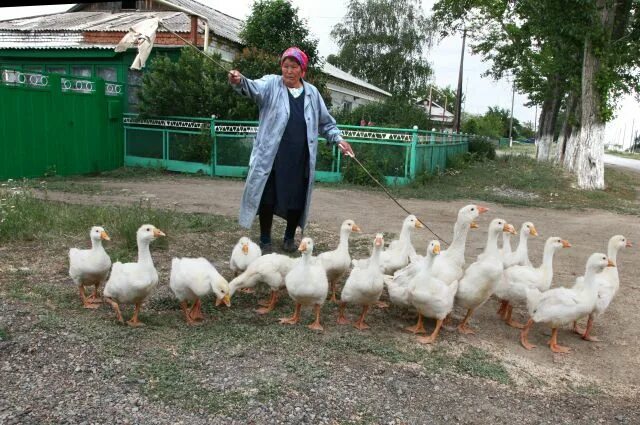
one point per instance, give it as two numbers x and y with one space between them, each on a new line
571 144
567 126
550 109
589 165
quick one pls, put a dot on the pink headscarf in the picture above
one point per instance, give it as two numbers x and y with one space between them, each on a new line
298 55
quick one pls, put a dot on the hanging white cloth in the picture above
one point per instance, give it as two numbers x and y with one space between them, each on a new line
142 35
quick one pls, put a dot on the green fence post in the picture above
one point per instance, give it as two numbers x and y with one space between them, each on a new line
412 156
214 145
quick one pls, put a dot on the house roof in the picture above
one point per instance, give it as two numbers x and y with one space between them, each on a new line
335 72
64 30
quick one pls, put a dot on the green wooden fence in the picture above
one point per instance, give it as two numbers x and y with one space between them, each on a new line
222 148
58 124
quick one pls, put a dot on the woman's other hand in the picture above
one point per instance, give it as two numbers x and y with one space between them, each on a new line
345 147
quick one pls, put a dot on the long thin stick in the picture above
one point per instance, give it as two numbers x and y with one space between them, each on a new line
392 197
194 46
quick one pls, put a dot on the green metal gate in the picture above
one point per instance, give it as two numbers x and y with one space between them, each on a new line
54 124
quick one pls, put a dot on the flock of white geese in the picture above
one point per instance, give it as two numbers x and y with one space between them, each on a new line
431 284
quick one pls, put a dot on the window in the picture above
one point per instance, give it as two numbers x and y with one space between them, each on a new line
81 71
33 75
134 83
55 69
107 73
346 106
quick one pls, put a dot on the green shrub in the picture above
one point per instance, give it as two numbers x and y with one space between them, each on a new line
483 149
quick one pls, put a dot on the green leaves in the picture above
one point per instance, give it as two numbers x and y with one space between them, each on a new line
382 42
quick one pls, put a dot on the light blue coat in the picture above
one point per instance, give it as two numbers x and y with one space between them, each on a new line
270 93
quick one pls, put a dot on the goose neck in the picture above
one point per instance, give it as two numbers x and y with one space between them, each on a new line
460 231
144 255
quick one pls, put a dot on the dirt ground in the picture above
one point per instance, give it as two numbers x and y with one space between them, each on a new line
614 361
609 371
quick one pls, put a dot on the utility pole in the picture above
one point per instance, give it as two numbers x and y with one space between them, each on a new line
458 112
513 95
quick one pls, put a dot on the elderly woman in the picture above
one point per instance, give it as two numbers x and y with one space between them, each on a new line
283 160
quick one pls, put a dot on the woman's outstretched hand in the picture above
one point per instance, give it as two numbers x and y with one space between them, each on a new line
235 77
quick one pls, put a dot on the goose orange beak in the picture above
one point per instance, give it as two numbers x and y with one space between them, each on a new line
227 300
355 228
509 228
419 225
379 241
436 249
482 210
533 231
104 236
245 249
474 225
610 263
158 232
629 244
302 247
565 244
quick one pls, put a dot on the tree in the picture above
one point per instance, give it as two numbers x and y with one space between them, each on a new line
383 42
272 27
191 86
575 53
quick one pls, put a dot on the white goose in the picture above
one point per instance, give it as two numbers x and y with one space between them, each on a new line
608 288
244 253
90 266
193 278
432 297
519 257
307 284
561 306
448 266
270 269
517 279
397 255
337 262
481 278
363 286
131 283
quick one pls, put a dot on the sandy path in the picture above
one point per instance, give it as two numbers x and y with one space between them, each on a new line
614 361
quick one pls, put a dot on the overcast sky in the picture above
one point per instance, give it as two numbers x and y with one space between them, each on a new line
481 92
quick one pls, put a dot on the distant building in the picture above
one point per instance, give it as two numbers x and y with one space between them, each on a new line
437 114
80 42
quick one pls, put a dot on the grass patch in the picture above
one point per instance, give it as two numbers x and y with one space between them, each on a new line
520 180
27 219
478 363
528 149
624 154
4 334
173 379
588 390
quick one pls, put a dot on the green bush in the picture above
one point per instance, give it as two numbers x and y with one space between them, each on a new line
482 148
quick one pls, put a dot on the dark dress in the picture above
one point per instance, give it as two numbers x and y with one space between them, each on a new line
286 188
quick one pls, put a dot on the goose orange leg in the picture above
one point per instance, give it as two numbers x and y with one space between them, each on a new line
360 325
553 343
93 298
462 327
196 311
334 288
586 336
509 321
187 316
116 308
418 328
272 304
316 326
503 308
430 339
134 322
86 302
293 319
342 319
524 335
